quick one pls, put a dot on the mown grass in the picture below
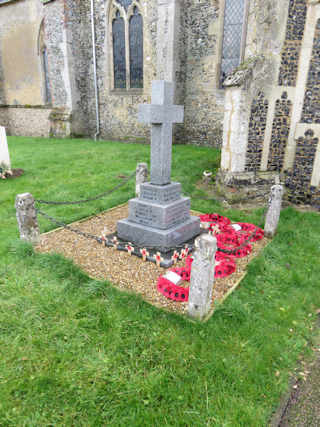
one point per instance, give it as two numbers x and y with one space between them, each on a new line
74 351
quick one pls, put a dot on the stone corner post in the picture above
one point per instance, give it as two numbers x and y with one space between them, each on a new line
274 209
27 218
141 176
202 277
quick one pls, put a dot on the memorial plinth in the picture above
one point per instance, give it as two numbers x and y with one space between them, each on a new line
160 217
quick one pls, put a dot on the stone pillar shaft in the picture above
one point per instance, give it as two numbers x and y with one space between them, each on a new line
141 176
202 277
273 214
27 218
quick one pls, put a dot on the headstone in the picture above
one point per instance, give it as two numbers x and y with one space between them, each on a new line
4 151
141 176
202 276
274 209
160 217
27 218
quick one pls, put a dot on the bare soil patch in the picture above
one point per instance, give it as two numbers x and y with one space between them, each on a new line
126 272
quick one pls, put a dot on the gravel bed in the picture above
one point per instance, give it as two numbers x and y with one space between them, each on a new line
126 272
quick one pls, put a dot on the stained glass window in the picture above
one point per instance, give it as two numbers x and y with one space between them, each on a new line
234 20
136 49
119 52
127 29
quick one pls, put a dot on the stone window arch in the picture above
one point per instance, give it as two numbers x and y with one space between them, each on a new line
234 36
43 54
126 28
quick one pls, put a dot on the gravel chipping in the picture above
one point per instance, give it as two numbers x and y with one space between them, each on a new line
126 272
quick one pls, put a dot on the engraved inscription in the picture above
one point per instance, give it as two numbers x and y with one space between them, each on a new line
156 195
159 216
177 214
145 215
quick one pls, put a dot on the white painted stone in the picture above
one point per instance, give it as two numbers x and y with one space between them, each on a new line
235 131
27 218
141 176
4 151
168 29
274 209
313 14
202 276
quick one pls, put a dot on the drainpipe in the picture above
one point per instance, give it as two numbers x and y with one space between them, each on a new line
95 72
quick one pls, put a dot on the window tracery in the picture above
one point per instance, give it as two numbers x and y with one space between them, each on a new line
127 44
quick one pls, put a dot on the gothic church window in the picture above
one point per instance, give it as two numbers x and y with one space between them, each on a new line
127 44
234 35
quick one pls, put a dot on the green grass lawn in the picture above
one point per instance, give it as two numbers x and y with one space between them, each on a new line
74 351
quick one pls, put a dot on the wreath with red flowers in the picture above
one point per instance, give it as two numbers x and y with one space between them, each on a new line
232 242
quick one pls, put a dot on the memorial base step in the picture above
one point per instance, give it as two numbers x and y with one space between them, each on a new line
163 240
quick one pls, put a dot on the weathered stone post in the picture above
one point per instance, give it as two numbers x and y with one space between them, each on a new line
141 176
273 214
27 218
202 276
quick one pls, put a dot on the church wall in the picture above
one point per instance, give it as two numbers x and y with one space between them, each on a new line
80 64
26 121
119 108
280 91
26 26
202 23
20 68
196 76
68 39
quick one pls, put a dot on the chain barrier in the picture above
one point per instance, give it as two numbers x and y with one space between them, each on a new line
67 227
99 196
108 243
124 244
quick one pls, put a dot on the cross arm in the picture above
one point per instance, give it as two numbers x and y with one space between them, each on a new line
160 114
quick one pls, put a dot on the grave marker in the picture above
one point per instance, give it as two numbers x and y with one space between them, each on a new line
27 218
160 217
274 210
202 276
4 151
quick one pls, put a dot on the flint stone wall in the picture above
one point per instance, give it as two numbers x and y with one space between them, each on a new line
26 121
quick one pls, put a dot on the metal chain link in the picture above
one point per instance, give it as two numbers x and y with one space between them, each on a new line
100 196
64 225
111 244
98 239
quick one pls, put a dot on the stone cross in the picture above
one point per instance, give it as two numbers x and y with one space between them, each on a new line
161 114
4 152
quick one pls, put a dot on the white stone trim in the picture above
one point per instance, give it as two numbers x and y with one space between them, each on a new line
313 14
235 130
